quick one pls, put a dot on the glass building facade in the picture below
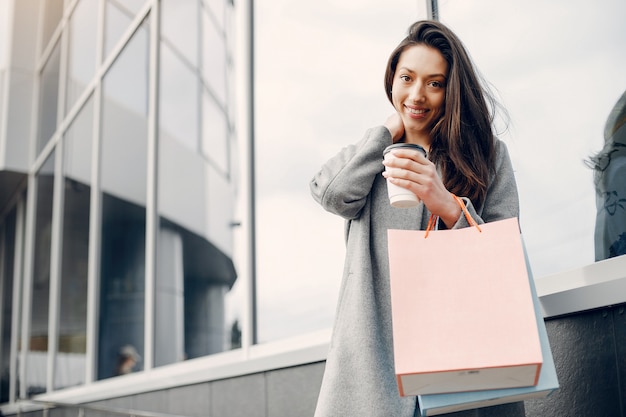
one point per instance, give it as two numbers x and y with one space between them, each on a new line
117 188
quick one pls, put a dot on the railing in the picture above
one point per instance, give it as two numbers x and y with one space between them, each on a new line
83 409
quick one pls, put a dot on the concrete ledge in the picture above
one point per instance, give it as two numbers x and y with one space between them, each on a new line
593 286
265 357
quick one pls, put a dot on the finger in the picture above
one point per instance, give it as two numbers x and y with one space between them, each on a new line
405 183
409 154
401 174
403 163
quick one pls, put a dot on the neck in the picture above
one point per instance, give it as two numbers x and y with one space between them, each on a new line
423 141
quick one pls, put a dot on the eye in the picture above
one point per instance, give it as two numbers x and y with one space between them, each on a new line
405 78
436 84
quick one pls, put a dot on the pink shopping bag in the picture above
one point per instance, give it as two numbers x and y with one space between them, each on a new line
462 310
436 404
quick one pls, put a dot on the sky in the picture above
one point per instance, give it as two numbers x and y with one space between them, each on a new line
558 70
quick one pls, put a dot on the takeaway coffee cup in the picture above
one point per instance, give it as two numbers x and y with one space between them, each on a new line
398 196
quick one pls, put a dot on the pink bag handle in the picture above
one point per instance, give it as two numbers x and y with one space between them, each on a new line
433 218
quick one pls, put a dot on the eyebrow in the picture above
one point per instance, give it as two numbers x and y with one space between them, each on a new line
413 72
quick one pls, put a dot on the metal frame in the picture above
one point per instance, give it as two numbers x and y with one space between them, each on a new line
432 7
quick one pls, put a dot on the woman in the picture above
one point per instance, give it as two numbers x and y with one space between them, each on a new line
440 105
609 167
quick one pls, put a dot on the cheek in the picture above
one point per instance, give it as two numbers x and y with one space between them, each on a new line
397 104
396 98
441 106
441 109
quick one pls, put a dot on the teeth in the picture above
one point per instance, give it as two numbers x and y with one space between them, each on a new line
416 111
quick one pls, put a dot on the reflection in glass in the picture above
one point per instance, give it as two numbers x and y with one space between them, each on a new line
176 14
122 290
133 5
72 338
610 180
2 82
214 133
193 278
82 49
230 71
7 252
48 97
205 291
53 11
123 168
4 33
124 121
170 292
194 267
213 57
36 368
118 16
4 47
178 109
216 8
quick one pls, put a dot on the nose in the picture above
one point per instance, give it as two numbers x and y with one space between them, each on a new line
417 92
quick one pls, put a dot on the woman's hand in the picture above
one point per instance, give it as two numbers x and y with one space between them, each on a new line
410 169
395 126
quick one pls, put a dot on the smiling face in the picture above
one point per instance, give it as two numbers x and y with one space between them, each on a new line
419 91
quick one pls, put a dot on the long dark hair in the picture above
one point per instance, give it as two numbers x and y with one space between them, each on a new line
463 141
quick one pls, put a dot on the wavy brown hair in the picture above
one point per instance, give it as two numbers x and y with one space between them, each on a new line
463 141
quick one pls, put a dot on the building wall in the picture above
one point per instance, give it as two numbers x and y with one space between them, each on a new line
589 351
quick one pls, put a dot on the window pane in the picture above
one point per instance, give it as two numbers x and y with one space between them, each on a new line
213 58
124 156
82 49
36 368
118 16
178 110
72 339
4 48
195 270
134 6
48 98
7 248
52 13
3 74
176 14
214 133
122 290
231 73
4 32
216 9
193 280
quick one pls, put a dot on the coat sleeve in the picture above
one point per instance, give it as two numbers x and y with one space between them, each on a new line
344 182
502 199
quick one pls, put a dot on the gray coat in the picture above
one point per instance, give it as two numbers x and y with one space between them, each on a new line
359 379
